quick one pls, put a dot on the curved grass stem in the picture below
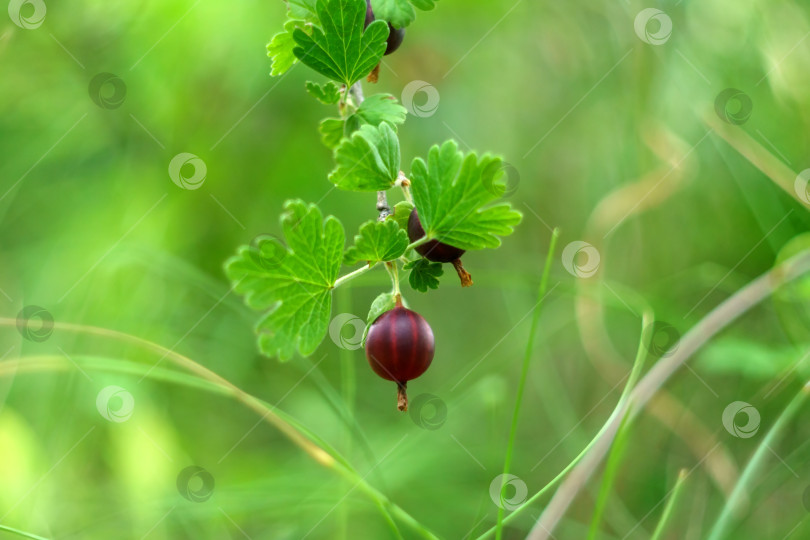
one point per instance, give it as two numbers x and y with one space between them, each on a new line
611 470
510 446
307 441
672 502
755 465
21 533
635 373
718 319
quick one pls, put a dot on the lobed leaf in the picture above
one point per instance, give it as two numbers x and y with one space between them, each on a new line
303 9
280 48
378 241
381 108
328 93
331 130
453 194
424 274
401 213
424 5
291 284
367 161
340 49
399 13
374 110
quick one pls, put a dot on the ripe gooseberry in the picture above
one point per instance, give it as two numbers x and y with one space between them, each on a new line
395 38
395 35
436 251
399 348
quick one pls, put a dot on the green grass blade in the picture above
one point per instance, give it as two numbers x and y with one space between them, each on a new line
718 319
611 470
671 504
635 373
312 445
755 466
541 293
21 533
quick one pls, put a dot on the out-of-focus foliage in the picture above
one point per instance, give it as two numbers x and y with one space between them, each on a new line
102 227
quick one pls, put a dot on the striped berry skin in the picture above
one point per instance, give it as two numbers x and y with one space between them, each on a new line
432 250
399 348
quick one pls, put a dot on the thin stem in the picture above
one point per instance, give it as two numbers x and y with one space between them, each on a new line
416 243
671 503
731 510
611 469
759 156
347 387
393 272
356 91
647 320
382 205
363 269
405 185
351 275
320 452
21 533
719 318
510 446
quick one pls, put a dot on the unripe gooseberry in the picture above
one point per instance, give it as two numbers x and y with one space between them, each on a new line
400 348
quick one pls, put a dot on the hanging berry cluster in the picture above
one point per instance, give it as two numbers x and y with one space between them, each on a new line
450 201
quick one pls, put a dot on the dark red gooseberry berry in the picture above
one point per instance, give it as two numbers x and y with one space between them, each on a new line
399 348
369 14
432 250
395 38
436 251
395 35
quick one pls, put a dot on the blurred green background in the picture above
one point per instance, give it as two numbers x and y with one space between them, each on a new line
610 140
